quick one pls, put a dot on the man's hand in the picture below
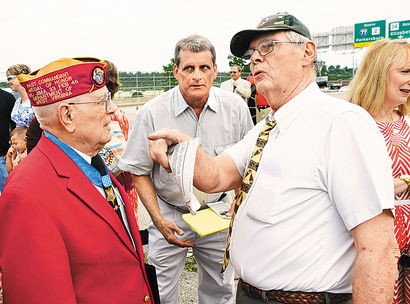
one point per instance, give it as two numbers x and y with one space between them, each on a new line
230 212
159 142
168 229
158 152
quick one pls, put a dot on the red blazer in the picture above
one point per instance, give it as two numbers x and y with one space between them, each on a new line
61 242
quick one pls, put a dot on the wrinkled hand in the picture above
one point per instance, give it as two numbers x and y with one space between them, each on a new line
400 186
168 229
158 153
231 209
159 143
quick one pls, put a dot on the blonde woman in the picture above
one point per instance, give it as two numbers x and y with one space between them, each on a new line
22 112
382 87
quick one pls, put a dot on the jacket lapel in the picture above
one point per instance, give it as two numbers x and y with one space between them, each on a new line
87 193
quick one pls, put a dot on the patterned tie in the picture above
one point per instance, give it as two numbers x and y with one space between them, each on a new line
248 180
98 163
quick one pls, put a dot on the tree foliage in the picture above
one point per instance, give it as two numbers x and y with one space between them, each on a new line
335 73
233 60
168 71
169 68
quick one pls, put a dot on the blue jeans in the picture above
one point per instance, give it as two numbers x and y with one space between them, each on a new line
3 172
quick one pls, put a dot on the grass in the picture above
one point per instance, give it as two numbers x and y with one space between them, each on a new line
190 264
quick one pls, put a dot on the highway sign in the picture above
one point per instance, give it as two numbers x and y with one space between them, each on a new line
368 32
399 30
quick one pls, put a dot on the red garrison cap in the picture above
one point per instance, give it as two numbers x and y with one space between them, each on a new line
64 78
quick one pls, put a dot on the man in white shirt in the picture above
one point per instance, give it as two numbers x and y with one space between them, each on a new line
219 119
316 224
236 84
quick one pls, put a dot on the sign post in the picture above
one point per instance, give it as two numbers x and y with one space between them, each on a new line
368 32
399 30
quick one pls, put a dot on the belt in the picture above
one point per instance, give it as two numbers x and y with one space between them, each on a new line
263 107
294 297
180 209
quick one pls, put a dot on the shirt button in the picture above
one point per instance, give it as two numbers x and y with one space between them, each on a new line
146 299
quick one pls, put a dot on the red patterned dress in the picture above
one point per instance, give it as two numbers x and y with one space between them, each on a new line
125 178
397 137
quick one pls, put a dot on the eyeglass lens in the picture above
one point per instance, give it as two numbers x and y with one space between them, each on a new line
263 49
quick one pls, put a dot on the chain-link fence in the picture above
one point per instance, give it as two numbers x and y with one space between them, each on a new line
143 87
140 87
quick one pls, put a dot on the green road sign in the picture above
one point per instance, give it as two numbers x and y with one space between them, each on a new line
366 33
399 29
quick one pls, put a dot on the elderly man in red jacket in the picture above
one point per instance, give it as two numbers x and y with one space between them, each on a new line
67 230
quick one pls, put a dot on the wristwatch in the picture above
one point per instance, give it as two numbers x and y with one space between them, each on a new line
406 178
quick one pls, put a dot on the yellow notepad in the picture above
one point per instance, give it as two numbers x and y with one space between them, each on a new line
206 222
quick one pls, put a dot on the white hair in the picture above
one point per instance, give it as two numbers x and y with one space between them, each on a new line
47 115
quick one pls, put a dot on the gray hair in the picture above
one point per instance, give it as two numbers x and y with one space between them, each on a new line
196 44
47 114
239 68
296 37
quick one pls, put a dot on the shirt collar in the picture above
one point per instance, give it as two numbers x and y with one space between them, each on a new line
181 104
291 110
80 159
85 156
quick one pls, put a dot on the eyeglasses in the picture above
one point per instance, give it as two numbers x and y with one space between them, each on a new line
10 77
264 48
107 100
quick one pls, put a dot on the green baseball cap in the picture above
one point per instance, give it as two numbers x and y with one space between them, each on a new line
278 22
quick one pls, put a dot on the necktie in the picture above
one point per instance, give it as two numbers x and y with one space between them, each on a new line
248 180
98 163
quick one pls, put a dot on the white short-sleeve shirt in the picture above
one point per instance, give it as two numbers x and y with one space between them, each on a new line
324 171
224 120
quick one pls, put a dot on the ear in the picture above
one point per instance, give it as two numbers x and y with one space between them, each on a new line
309 55
175 71
215 71
65 116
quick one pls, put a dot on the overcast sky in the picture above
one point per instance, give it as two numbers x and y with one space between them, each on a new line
140 35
